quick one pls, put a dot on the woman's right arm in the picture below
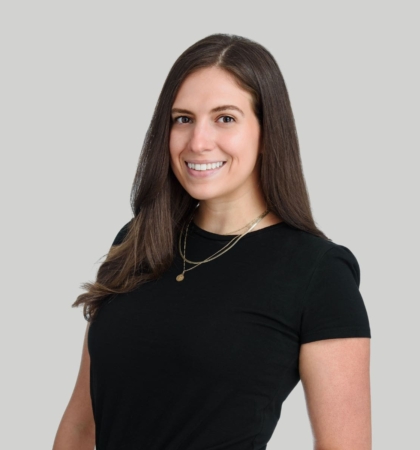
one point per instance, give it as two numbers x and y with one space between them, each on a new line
77 427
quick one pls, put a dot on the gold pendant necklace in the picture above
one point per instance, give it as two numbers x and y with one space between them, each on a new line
220 252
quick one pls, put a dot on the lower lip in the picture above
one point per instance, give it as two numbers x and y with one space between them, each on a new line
203 173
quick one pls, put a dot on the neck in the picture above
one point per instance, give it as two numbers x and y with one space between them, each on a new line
223 217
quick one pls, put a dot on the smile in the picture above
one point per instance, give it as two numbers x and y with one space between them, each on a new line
208 166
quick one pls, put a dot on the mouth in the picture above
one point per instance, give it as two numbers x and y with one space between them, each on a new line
205 166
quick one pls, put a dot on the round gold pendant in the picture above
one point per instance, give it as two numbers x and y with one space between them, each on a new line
180 277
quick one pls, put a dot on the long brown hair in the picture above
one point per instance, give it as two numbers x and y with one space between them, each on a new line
161 205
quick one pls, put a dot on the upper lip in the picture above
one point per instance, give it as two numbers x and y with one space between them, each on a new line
206 161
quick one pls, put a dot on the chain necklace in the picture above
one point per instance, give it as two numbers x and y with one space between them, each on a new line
220 252
239 229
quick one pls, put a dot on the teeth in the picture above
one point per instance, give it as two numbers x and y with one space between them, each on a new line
208 166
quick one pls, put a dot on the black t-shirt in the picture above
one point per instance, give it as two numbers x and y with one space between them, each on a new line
206 363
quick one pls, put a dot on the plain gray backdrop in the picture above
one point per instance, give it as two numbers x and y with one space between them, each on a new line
78 85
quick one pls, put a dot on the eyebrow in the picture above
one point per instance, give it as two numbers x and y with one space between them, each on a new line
217 109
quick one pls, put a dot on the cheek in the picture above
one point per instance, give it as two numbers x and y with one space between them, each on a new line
177 142
233 143
253 143
247 135
244 147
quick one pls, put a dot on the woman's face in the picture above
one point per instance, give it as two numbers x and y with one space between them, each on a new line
214 139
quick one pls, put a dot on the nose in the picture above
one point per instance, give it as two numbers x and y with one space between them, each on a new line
201 138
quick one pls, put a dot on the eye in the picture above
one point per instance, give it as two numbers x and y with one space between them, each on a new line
181 119
226 119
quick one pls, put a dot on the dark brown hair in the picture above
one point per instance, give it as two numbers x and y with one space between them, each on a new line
161 205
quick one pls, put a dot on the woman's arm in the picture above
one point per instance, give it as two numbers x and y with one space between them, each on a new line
335 375
77 427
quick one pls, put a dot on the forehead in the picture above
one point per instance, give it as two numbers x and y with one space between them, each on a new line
210 87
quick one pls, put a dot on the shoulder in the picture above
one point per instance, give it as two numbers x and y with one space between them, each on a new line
330 302
305 253
307 245
122 233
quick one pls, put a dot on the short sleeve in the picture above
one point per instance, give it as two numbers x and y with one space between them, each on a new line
333 306
121 234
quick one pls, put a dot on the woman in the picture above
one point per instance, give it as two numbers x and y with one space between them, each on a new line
221 293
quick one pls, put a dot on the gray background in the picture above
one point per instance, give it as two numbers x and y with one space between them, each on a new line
79 81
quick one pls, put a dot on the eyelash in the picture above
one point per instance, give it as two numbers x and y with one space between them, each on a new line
175 120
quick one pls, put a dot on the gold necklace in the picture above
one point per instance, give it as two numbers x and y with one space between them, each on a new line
229 244
220 252
234 231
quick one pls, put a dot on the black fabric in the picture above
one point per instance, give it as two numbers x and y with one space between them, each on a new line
206 363
121 234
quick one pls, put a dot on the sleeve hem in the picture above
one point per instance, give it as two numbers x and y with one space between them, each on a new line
333 333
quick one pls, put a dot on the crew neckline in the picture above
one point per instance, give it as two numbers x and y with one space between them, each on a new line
223 237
